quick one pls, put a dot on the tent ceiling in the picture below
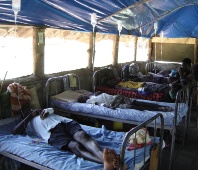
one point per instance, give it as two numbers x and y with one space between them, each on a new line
174 18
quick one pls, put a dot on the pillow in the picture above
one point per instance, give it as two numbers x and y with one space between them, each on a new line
84 92
67 96
34 103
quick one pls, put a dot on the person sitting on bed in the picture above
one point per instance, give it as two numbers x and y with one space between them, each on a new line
61 133
120 101
185 77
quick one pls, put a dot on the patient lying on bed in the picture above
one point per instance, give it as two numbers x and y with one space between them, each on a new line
68 136
120 101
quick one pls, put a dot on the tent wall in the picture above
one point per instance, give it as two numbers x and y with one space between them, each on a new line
174 49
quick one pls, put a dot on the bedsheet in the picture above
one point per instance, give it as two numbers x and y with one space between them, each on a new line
124 114
35 149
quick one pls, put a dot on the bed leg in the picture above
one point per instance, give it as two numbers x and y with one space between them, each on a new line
172 148
154 158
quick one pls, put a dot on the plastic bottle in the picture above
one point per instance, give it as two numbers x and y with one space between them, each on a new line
16 7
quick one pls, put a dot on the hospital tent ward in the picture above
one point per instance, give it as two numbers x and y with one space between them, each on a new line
125 71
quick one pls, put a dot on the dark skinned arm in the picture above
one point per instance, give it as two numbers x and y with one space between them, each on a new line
21 127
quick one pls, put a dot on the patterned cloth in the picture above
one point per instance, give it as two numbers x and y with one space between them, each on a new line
131 94
19 96
137 146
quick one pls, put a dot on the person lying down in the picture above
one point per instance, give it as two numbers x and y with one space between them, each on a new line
120 101
67 136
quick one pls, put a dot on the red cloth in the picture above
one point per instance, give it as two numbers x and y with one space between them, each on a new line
138 146
19 96
153 96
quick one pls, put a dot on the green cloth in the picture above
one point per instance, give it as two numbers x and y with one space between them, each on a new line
5 106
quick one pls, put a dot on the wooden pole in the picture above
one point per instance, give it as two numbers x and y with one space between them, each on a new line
135 48
38 52
149 49
90 51
195 51
115 50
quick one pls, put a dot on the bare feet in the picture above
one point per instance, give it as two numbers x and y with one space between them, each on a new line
111 159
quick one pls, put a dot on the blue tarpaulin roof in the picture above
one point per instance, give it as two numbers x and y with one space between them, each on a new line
173 18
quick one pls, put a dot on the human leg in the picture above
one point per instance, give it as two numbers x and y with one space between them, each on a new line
79 150
89 143
119 99
62 138
139 105
80 136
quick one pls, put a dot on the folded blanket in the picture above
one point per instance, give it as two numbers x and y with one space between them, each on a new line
67 96
131 84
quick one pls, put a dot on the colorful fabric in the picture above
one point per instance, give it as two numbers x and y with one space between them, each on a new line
19 96
139 139
137 146
131 94
131 84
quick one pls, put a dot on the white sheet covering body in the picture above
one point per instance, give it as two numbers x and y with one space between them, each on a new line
43 126
102 98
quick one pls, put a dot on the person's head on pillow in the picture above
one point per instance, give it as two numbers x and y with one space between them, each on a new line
97 93
83 98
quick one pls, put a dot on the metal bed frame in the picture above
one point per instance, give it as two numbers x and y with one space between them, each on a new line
98 84
149 67
123 146
193 92
133 131
182 100
96 76
24 161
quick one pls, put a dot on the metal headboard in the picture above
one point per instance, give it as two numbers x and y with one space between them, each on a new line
182 102
56 81
133 131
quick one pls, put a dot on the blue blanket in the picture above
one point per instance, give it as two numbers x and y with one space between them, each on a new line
36 150
123 114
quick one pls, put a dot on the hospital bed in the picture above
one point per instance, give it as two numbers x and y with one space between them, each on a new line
57 96
33 151
105 81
